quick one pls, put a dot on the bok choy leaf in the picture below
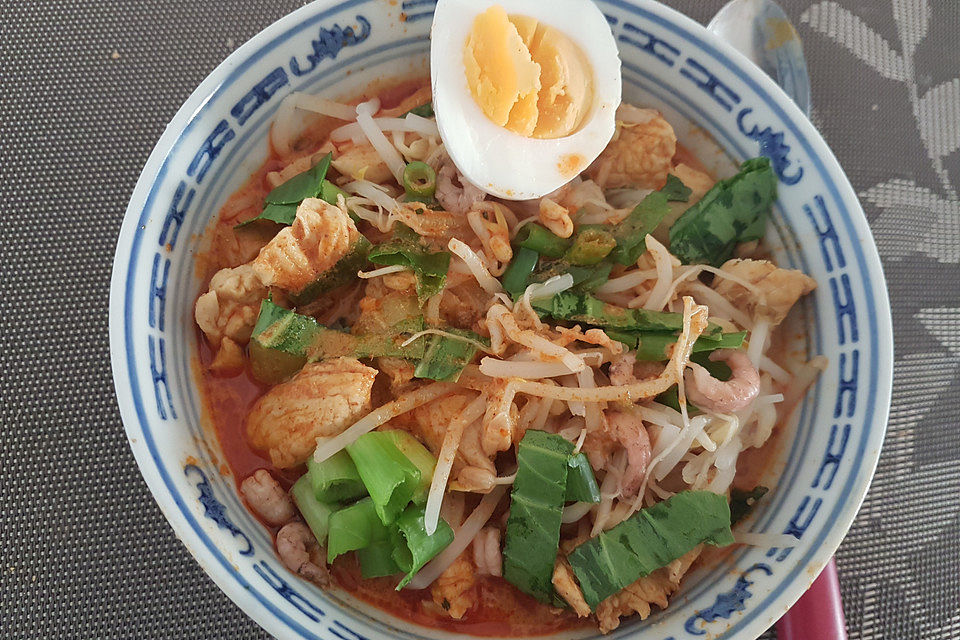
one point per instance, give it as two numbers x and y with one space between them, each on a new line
445 357
733 211
650 539
342 272
390 476
581 483
314 511
413 548
335 479
407 249
536 507
354 527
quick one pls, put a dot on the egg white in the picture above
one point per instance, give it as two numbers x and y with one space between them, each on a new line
493 158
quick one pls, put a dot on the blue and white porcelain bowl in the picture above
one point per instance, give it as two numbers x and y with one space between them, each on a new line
220 136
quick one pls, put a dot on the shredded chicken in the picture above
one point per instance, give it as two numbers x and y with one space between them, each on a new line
428 222
779 288
323 399
556 218
362 162
455 590
454 193
321 234
643 594
229 360
230 307
639 154
566 585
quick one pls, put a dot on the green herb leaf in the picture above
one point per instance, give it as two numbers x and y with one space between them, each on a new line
733 211
407 250
675 190
413 548
444 358
581 483
335 479
281 203
650 539
354 527
742 502
315 512
585 279
536 506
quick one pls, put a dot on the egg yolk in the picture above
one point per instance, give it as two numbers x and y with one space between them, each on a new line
527 76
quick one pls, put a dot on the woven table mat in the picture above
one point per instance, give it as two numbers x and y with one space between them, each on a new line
86 89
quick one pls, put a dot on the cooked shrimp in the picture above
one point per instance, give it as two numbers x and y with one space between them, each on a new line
302 554
453 192
265 496
624 369
711 394
629 431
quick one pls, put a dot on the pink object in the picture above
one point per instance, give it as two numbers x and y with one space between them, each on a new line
818 614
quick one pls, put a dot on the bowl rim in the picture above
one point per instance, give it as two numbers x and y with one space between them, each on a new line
172 505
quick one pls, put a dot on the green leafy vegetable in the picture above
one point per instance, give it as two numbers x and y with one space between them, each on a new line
421 458
675 190
733 211
281 203
315 512
354 527
631 232
390 477
515 278
742 502
335 479
342 272
590 246
537 238
407 250
581 483
648 540
419 181
444 357
376 560
424 111
585 279
536 506
283 341
656 346
413 548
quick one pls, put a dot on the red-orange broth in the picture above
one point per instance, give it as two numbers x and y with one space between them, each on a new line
501 609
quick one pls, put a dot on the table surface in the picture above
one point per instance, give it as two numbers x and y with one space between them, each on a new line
86 88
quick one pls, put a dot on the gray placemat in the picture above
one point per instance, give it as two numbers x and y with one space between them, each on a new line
86 89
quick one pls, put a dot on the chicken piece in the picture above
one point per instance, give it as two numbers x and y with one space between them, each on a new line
774 292
568 589
230 307
455 590
432 419
362 162
463 303
229 360
321 234
640 153
639 597
399 371
322 400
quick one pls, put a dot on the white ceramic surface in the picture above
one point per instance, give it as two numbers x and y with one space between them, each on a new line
219 137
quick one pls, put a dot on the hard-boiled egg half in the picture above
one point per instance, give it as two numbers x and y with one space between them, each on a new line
524 91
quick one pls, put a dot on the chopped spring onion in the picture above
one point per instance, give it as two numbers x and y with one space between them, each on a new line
536 509
390 477
406 249
581 483
335 479
583 307
315 512
413 547
631 232
742 502
419 181
376 560
444 357
421 458
354 527
649 539
590 246
514 279
537 238
733 211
